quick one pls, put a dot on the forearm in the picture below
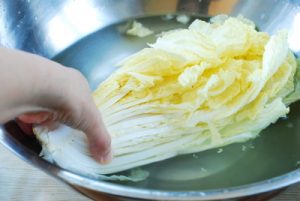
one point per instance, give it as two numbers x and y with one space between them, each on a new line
24 82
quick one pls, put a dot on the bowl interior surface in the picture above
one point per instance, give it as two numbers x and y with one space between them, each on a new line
275 152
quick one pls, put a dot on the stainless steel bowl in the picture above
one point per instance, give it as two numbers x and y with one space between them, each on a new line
88 35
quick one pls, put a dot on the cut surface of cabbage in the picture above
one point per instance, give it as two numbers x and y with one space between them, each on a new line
194 89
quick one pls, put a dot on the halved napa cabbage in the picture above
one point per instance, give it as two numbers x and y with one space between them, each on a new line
194 89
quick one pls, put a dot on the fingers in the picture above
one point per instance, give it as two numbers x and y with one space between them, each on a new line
25 121
71 103
81 113
26 128
97 135
34 117
47 86
45 119
99 143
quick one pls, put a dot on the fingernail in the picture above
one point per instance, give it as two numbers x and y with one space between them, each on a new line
106 158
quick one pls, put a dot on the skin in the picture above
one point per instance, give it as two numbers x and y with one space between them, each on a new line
36 90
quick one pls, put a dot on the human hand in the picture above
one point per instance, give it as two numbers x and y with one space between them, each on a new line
54 94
